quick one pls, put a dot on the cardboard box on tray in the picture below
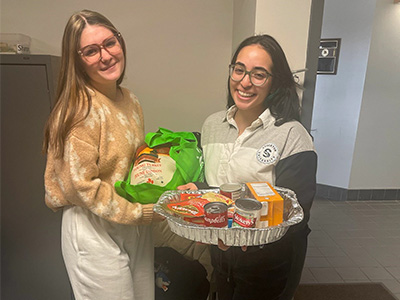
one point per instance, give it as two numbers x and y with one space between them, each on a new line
272 210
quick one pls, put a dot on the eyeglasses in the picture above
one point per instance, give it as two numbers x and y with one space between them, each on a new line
92 53
258 76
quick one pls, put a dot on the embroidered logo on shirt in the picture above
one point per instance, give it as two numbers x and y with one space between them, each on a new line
268 154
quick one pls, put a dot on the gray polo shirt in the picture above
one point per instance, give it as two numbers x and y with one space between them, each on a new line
253 155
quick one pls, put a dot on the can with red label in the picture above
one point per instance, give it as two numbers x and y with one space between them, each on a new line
247 213
216 214
231 190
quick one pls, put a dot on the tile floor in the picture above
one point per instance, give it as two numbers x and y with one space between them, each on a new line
354 241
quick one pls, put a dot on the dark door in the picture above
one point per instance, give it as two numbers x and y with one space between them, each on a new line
31 262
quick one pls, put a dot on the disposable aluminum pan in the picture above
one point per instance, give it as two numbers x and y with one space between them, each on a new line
293 214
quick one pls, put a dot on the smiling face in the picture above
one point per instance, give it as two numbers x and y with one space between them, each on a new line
108 70
247 97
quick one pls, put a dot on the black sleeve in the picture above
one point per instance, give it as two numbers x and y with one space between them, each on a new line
298 173
202 185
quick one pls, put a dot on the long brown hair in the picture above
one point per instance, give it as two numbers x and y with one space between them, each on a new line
73 96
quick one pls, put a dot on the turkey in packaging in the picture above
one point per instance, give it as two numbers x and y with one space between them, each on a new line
167 160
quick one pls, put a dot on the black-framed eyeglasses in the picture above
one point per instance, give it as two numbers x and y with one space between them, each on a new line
258 76
92 53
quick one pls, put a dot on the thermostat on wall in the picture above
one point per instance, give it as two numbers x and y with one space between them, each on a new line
328 56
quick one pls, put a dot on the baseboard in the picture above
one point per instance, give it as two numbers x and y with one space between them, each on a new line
341 194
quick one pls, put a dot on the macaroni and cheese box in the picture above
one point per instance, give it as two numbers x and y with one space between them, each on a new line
272 210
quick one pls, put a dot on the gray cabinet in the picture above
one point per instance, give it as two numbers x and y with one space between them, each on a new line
31 261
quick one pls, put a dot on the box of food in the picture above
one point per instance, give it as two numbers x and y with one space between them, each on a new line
234 236
272 201
11 43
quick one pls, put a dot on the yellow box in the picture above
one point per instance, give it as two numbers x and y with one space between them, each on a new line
272 211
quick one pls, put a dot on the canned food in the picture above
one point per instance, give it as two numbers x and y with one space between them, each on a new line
247 213
216 214
231 190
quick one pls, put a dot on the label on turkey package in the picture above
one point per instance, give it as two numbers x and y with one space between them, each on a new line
153 166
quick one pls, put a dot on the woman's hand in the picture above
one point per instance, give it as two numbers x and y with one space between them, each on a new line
190 186
224 247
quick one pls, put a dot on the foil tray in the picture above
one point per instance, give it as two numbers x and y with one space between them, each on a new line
293 214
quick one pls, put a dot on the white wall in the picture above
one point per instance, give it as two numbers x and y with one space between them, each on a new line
376 163
338 97
178 50
356 112
287 21
244 21
271 17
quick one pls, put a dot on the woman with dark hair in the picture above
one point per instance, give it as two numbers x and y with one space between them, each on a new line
283 84
90 140
260 138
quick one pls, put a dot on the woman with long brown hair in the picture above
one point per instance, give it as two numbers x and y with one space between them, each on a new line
90 139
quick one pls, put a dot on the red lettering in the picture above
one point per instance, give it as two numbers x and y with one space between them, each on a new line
243 221
216 220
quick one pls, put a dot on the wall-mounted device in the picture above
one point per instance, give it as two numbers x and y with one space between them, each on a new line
328 56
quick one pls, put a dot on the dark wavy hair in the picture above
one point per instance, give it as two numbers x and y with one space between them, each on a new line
283 100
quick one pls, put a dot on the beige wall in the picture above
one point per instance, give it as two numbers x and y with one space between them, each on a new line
244 21
178 50
287 21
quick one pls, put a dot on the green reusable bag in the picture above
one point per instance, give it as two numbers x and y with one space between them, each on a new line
168 159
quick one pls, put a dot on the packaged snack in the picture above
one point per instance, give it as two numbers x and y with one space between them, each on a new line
272 210
188 208
215 197
195 220
187 196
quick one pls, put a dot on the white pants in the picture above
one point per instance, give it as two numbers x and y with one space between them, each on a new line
106 260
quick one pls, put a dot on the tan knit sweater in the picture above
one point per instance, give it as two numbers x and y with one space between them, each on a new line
97 153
